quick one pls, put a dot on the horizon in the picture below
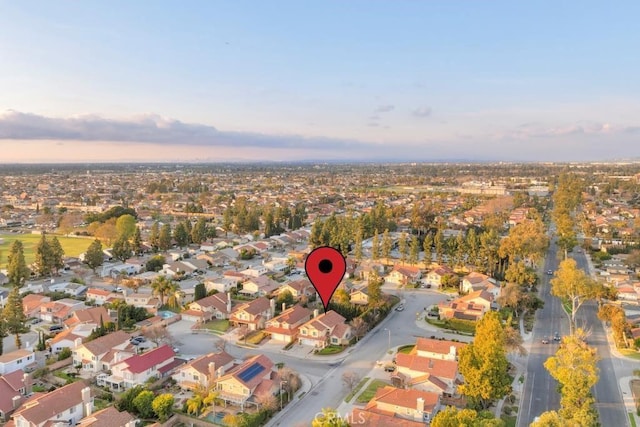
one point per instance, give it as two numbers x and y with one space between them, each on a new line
368 81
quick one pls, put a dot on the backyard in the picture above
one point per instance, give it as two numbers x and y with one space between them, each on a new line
73 246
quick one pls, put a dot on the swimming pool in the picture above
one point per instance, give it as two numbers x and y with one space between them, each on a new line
166 314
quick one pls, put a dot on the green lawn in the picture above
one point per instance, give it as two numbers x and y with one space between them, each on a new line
331 349
217 325
370 391
509 420
406 349
630 353
632 419
462 326
356 389
73 246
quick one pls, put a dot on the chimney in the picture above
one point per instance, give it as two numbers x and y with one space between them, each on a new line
132 423
452 352
272 305
220 371
284 306
212 371
26 380
77 342
86 401
15 401
315 313
420 405
228 302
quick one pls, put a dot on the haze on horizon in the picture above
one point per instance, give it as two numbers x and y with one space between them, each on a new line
332 80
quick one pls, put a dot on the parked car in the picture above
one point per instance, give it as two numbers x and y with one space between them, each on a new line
400 307
389 368
545 340
556 337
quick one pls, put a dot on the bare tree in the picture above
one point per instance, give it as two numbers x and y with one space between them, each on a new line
157 334
359 327
267 401
220 345
350 379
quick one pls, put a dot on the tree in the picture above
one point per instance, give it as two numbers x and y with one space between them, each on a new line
453 417
163 406
483 363
126 226
136 243
402 247
14 316
154 236
3 333
574 366
386 245
329 418
157 333
94 257
358 244
121 249
125 403
155 263
57 255
267 402
180 235
427 246
414 250
374 287
513 341
359 327
549 419
200 291
43 257
375 247
199 231
350 379
163 286
164 239
341 296
195 404
285 297
17 271
519 273
142 402
573 285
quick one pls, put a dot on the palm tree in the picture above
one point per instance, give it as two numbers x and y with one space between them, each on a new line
210 399
163 286
194 405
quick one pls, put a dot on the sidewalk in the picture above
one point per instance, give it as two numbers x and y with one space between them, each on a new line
627 397
303 391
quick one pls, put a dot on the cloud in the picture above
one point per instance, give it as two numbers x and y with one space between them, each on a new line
153 129
384 108
584 128
422 112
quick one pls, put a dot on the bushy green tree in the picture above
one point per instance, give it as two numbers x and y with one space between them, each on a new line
17 271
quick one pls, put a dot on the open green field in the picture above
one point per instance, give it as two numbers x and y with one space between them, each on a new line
73 246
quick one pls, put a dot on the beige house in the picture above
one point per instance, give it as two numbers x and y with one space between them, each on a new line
244 382
216 306
203 371
475 281
101 296
415 405
284 328
436 375
437 349
149 302
100 354
434 277
469 307
254 314
403 275
64 406
298 288
259 286
108 417
368 418
326 329
359 296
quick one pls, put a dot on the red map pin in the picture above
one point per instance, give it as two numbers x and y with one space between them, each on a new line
325 267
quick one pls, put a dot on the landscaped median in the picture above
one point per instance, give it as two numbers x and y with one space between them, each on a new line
466 327
330 349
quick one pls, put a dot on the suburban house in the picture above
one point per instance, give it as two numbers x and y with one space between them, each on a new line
415 405
202 372
434 277
18 359
365 268
101 296
109 417
366 418
284 328
298 288
359 296
437 349
255 271
66 405
60 310
69 338
475 281
243 383
100 354
403 275
216 306
259 286
220 284
149 302
90 316
468 307
254 313
31 304
437 375
327 329
137 369
14 388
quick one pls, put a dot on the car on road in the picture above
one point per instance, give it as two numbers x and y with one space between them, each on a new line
389 368
400 307
545 340
549 273
556 337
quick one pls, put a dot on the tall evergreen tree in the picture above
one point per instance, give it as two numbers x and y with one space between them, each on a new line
154 236
57 255
122 249
199 232
136 244
375 246
94 257
3 333
386 245
402 247
414 250
358 244
17 271
180 235
14 316
43 256
164 240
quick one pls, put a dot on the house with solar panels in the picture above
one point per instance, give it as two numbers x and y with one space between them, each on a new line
243 383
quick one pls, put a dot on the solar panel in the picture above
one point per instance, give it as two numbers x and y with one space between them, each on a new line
250 373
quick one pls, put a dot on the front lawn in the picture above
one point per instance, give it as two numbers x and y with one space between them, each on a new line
255 337
370 391
356 389
406 349
462 326
331 349
219 326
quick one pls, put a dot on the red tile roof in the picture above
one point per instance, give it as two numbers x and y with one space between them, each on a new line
141 362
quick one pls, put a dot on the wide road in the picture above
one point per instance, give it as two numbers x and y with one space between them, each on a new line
540 390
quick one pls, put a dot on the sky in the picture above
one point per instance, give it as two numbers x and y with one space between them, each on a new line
357 80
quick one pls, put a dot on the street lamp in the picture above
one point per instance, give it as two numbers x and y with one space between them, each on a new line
389 330
281 382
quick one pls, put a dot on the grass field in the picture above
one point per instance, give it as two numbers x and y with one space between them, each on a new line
370 391
73 246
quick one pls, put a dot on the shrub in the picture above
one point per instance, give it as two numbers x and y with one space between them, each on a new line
64 354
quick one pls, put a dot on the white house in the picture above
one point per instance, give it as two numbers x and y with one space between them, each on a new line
18 359
64 406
